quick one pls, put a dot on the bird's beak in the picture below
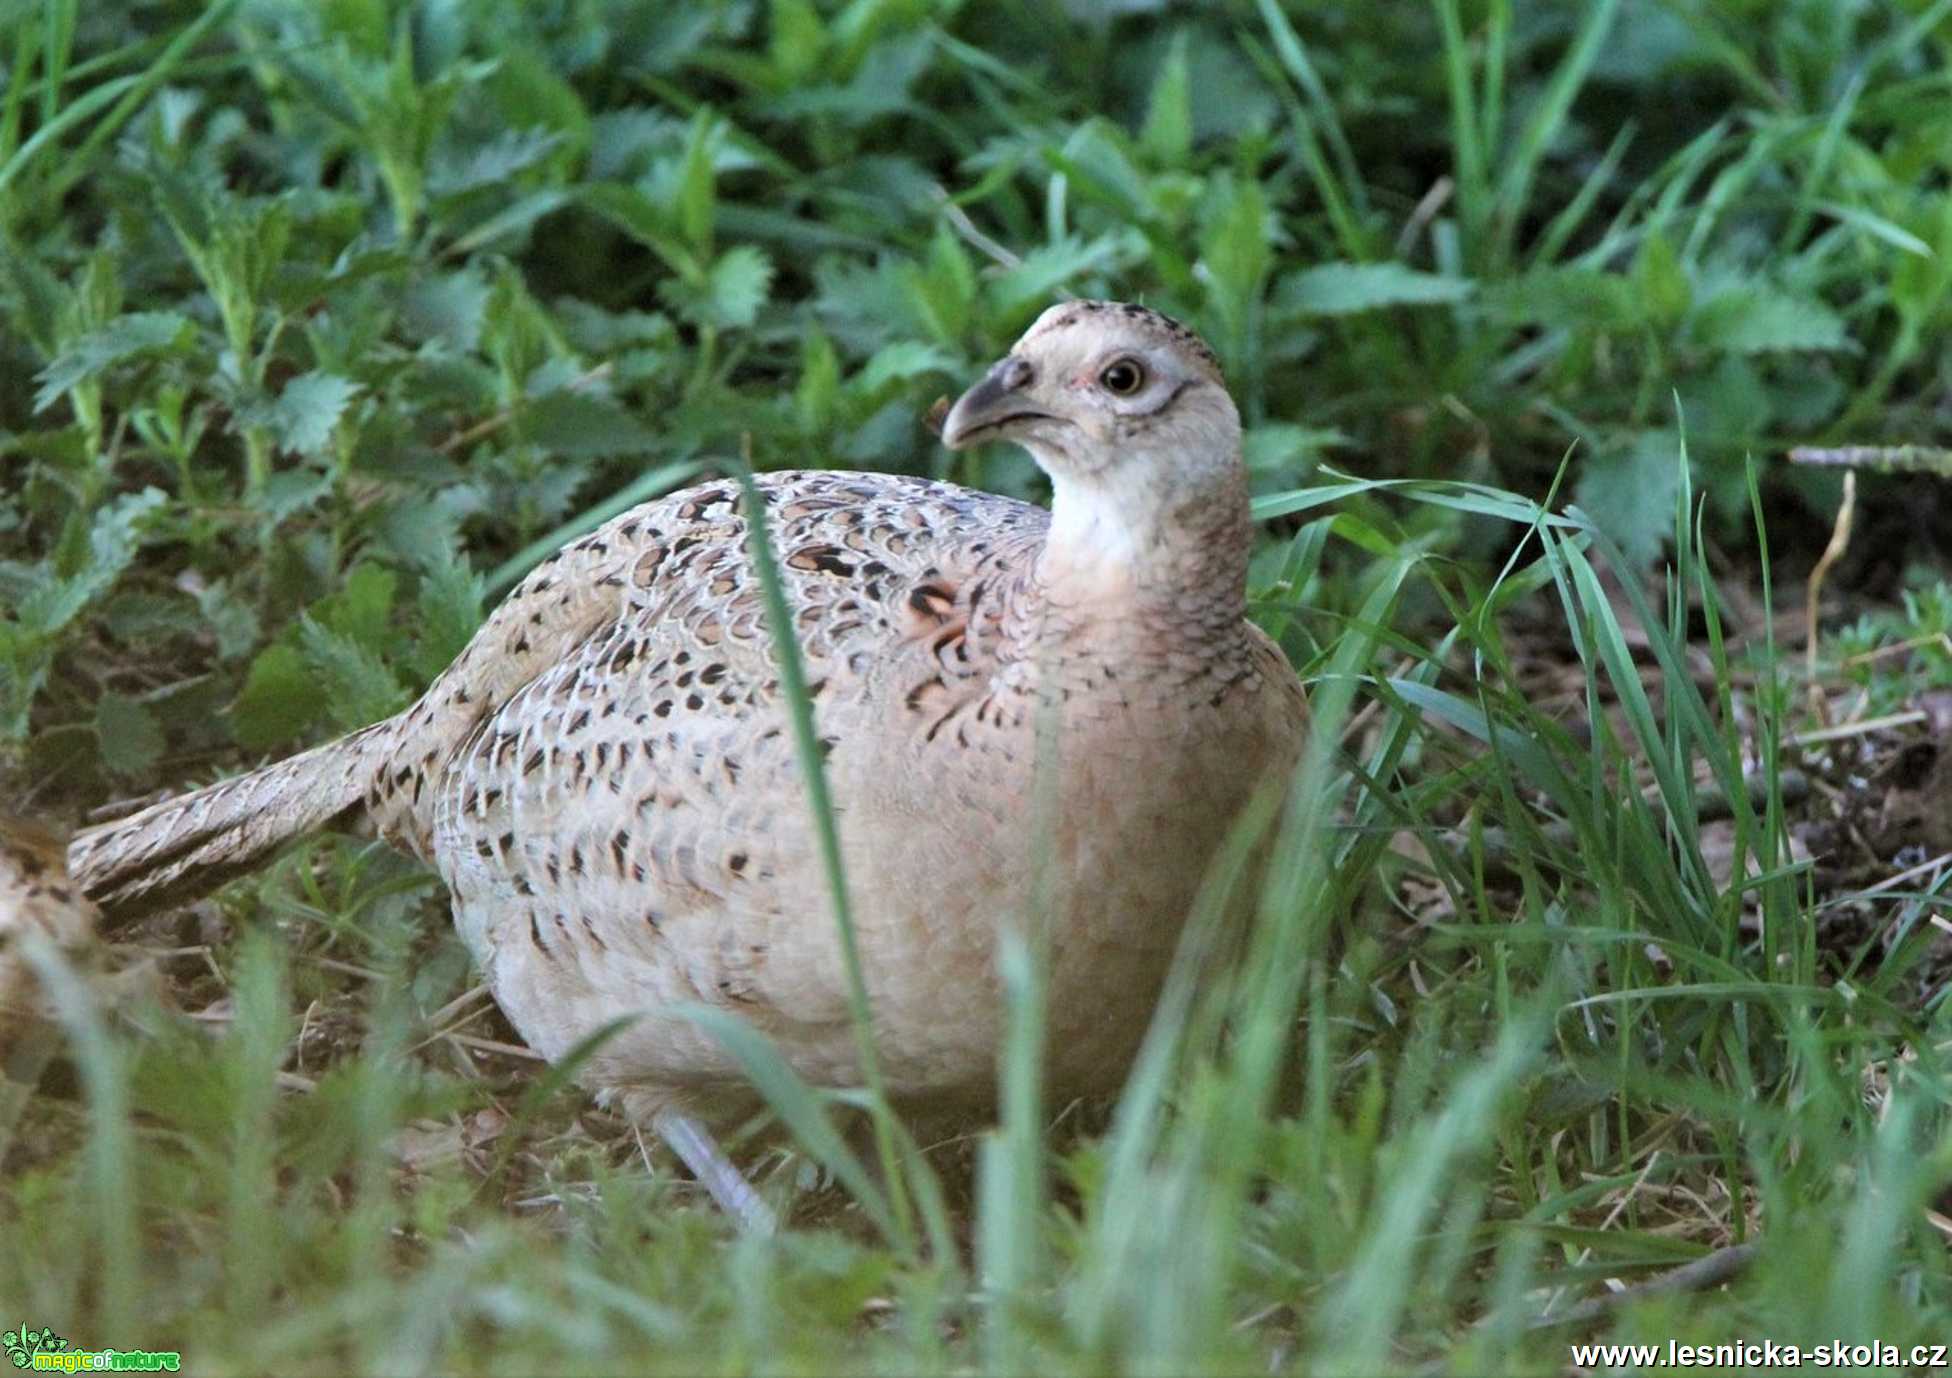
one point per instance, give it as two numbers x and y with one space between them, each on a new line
1003 396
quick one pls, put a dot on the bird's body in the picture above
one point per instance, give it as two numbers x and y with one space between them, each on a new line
1049 719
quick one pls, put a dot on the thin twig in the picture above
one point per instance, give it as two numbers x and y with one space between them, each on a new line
1944 639
1839 542
1888 459
1711 1270
1893 882
489 425
1619 1207
960 222
347 968
456 1005
489 1045
1426 210
1862 727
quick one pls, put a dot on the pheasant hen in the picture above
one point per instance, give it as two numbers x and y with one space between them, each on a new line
607 782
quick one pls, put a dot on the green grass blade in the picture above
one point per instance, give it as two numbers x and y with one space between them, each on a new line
813 771
1546 121
1470 156
111 1178
798 1107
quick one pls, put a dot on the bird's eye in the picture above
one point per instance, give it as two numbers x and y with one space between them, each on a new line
1122 377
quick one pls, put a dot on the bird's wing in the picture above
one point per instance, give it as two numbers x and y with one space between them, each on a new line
635 800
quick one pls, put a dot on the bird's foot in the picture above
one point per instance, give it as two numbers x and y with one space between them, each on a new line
715 1172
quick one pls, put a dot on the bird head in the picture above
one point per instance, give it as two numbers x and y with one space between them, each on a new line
1091 379
1125 409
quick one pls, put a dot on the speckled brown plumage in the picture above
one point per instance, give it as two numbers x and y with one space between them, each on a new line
36 897
606 777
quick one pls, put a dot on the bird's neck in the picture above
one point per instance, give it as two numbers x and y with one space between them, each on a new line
1152 578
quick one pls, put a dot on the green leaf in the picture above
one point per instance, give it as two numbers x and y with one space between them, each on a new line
448 307
819 385
1096 160
1753 318
949 286
53 605
280 699
1031 283
131 742
362 23
493 163
1575 298
309 409
450 611
1167 137
512 219
362 609
1288 450
901 361
733 291
646 220
1629 492
133 336
797 38
1235 245
532 89
1660 281
740 280
232 620
878 87
359 686
578 424
698 187
112 543
139 619
41 296
1340 289
598 331
414 526
291 491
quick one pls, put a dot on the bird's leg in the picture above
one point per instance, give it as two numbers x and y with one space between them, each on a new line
728 1186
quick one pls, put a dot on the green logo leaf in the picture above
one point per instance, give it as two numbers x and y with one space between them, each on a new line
23 1343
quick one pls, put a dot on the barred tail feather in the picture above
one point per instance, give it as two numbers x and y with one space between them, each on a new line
186 847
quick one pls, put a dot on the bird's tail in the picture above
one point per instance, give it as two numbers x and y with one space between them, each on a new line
186 847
